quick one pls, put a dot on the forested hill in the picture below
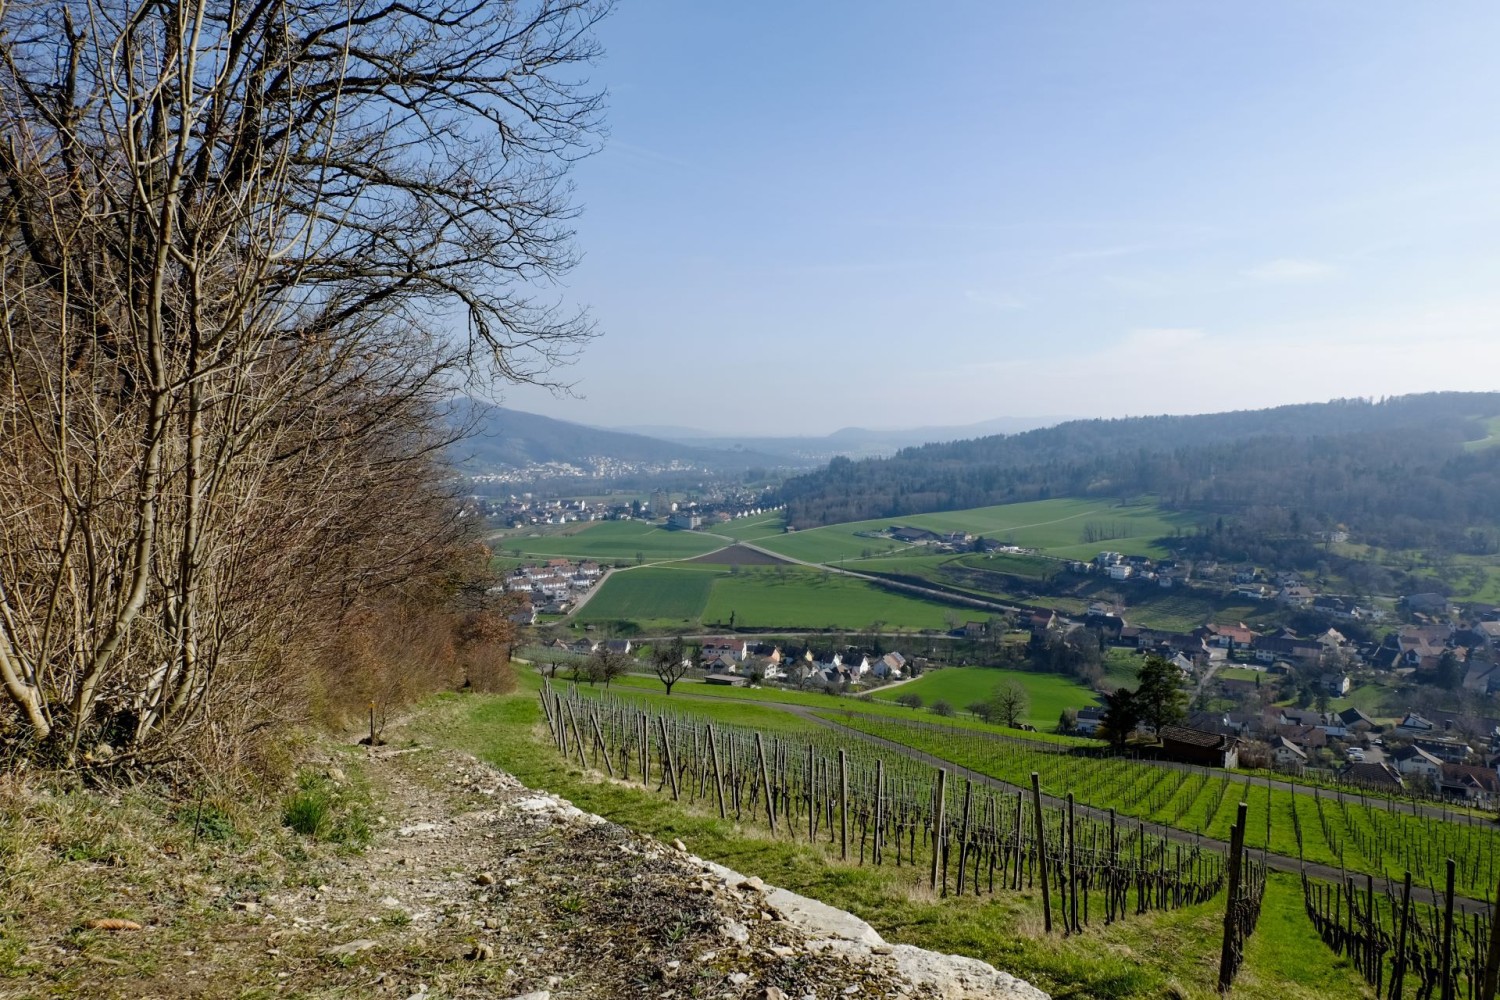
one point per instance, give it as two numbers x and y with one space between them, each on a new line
1408 470
496 438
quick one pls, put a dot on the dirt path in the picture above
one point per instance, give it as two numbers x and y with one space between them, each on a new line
472 887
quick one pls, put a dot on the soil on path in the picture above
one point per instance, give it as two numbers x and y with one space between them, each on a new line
474 886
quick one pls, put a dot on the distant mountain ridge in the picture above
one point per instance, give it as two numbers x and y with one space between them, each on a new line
503 439
852 442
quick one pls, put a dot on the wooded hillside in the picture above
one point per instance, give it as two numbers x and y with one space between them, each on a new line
1403 472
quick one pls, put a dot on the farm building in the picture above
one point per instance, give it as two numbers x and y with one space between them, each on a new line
1194 746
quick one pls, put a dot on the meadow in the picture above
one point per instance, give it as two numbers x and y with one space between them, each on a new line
674 594
606 541
769 598
960 687
1055 527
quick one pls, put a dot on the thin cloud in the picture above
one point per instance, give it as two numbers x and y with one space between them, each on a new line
1291 270
995 300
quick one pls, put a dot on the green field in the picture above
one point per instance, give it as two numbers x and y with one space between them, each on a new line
1055 527
814 599
607 541
749 528
757 597
962 686
651 593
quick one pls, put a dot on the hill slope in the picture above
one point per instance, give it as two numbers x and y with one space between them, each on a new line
498 438
1397 470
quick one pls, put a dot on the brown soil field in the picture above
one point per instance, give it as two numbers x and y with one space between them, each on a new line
739 555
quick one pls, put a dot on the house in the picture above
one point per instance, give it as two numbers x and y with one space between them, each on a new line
889 667
1413 724
1306 737
1295 596
1193 746
1089 720
1444 748
684 520
1227 636
1270 648
525 616
1337 685
1107 625
1042 621
855 662
583 646
974 630
1120 571
1468 781
723 645
1381 777
1287 755
1356 721
1481 676
1413 761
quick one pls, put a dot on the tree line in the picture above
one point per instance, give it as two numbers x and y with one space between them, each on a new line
1396 472
247 252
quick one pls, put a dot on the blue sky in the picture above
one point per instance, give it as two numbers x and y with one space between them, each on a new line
810 216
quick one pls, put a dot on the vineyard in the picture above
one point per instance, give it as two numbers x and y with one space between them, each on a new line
1404 948
1345 829
890 809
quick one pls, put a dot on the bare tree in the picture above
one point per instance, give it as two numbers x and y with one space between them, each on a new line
224 229
1009 703
670 662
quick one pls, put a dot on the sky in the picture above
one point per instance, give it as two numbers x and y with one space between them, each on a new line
814 216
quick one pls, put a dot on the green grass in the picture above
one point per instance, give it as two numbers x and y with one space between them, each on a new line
1492 425
651 593
961 686
1123 961
828 706
751 528
606 541
1054 526
814 599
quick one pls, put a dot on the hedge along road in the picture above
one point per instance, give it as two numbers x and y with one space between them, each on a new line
1276 862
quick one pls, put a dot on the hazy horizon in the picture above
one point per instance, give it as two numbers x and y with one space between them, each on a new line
814 218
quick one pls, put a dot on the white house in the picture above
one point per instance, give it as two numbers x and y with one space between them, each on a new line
1288 755
1414 761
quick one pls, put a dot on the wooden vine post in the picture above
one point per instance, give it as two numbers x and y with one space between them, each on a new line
1227 958
1398 975
765 781
713 753
666 749
1448 932
843 806
940 794
1041 851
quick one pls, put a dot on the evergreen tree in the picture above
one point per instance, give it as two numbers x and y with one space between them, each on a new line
1159 697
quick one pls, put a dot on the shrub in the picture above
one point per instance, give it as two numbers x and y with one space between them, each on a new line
910 700
942 708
